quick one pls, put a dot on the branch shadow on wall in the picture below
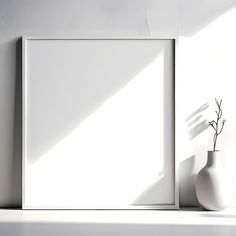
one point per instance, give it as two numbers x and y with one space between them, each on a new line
196 124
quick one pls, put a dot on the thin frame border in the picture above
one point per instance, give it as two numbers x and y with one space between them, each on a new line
24 95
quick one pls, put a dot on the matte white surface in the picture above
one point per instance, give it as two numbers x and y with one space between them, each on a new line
98 123
191 222
184 216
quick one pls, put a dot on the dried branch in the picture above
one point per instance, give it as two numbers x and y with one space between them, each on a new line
216 123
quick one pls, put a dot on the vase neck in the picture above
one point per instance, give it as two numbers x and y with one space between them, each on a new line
214 158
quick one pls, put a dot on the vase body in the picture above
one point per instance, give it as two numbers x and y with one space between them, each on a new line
214 186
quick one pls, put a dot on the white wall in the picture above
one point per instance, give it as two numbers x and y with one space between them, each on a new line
205 67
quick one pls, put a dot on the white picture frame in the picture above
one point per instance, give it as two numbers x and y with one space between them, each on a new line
35 50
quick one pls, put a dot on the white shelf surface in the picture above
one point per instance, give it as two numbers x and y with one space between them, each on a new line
184 222
186 216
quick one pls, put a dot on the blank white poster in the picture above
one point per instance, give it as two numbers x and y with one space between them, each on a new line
98 123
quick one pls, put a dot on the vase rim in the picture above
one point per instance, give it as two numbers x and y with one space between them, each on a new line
215 151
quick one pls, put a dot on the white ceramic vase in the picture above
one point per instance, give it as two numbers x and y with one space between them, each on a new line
214 186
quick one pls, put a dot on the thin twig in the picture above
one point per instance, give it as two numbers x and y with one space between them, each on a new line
215 123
